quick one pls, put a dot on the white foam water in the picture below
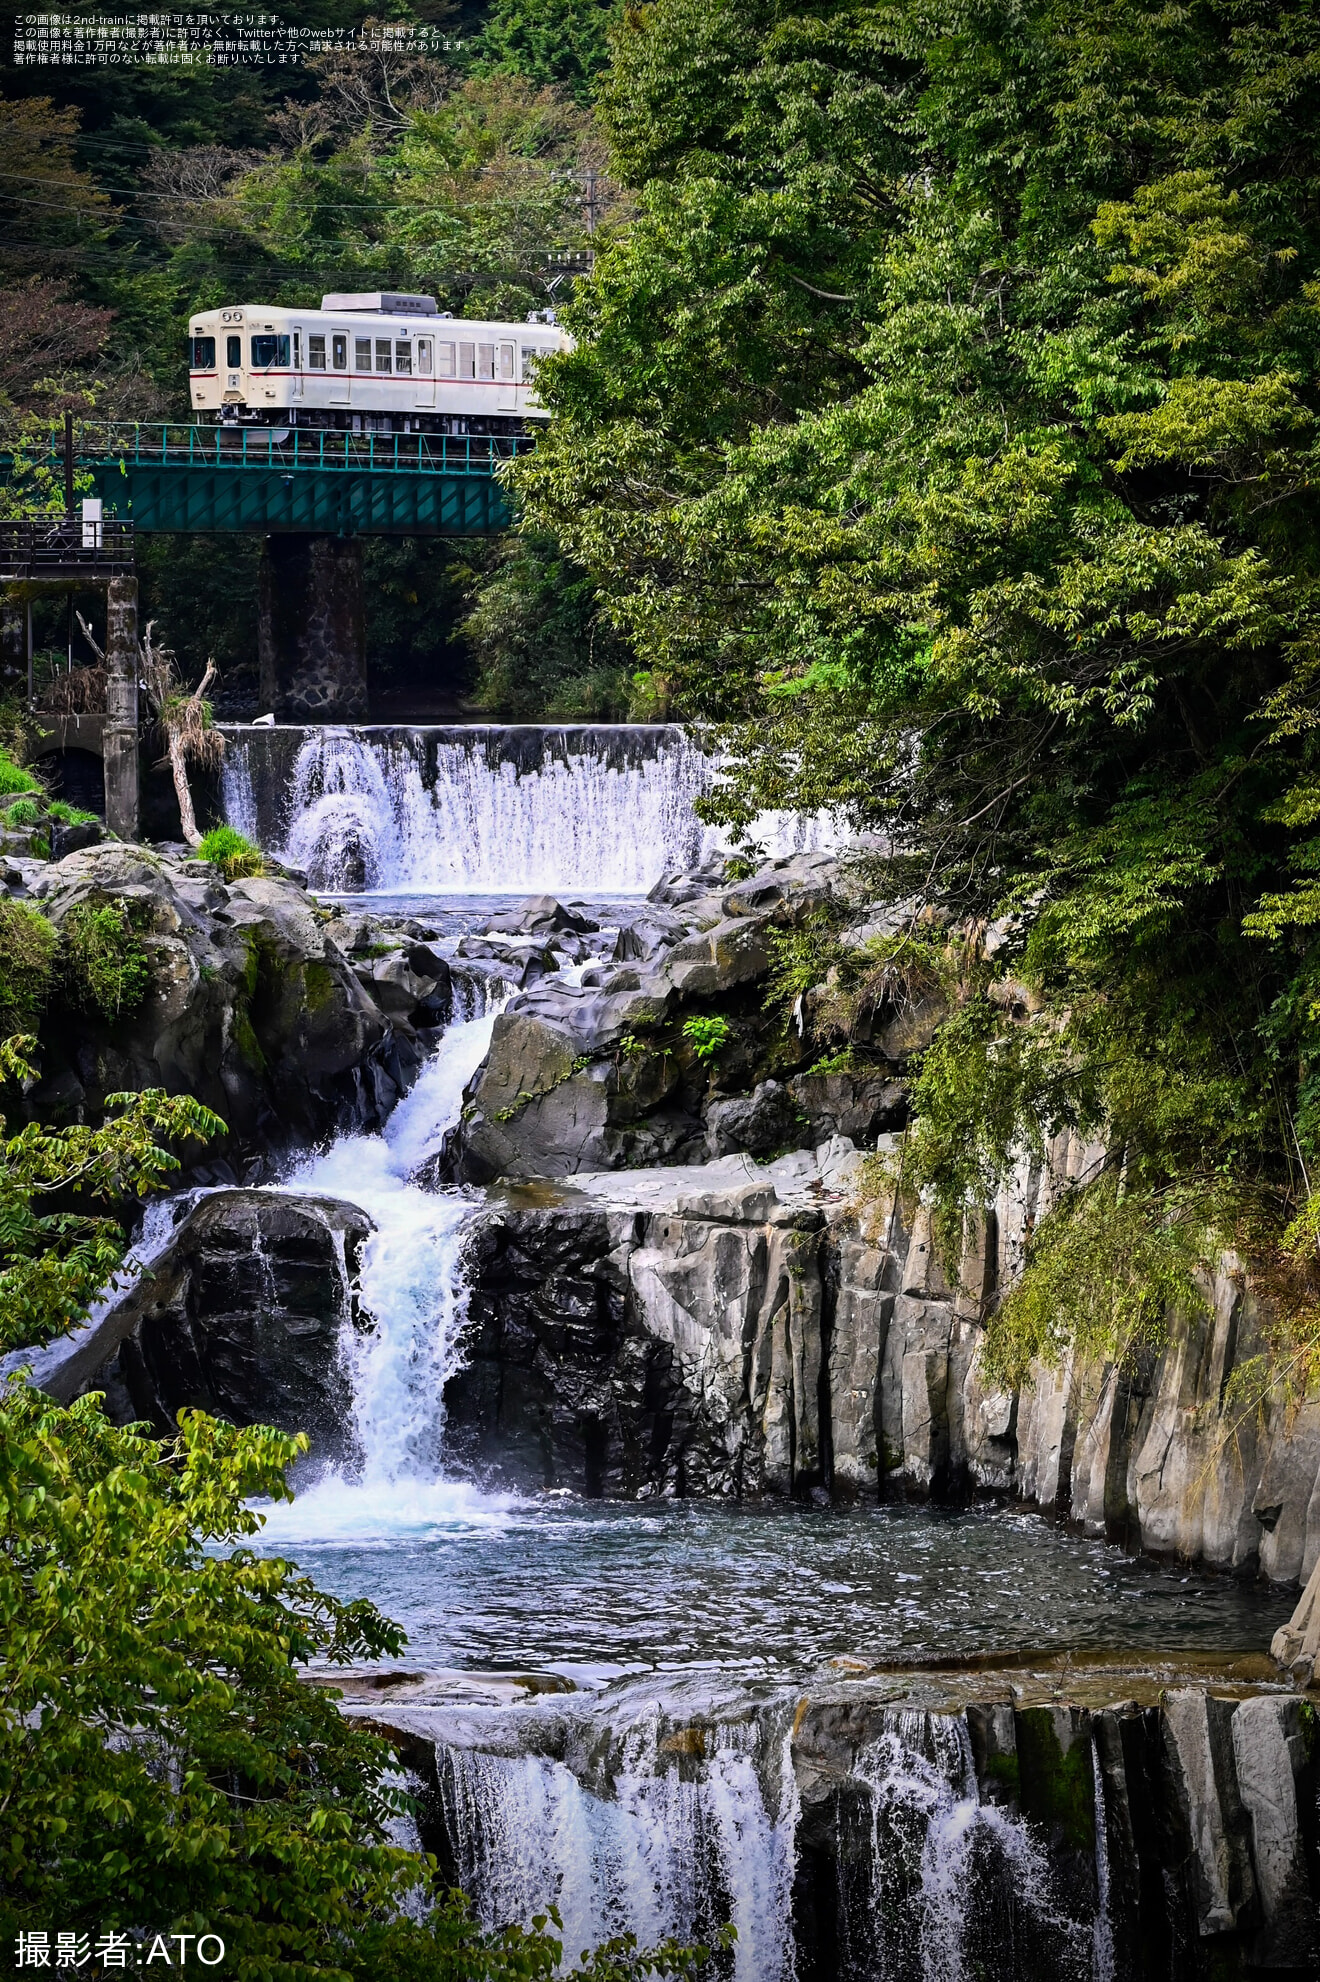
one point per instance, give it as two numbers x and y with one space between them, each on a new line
933 1846
399 812
675 1850
414 1293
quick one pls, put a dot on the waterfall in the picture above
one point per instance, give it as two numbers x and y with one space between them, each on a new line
1102 1933
599 809
948 1882
686 1841
413 1290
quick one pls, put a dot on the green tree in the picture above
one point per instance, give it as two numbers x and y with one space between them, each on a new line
947 426
54 1258
549 41
165 1767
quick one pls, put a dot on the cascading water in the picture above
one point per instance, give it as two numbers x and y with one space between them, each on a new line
597 810
413 1289
679 1846
948 1882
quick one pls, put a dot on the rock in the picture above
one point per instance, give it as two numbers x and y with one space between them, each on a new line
646 936
648 1332
250 1007
629 1088
401 992
859 1106
760 1122
541 915
72 839
1271 1752
240 1314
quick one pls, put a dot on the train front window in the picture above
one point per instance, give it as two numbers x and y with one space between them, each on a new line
339 352
202 357
362 353
268 351
233 352
382 354
315 352
403 359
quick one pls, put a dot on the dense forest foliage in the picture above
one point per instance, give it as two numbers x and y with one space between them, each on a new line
945 425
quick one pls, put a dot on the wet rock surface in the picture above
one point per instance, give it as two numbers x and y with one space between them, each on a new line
238 1312
1038 1819
600 1074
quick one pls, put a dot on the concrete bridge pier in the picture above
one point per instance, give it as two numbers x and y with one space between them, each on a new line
120 734
311 633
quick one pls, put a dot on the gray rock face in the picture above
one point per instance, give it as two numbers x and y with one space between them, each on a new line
739 1329
252 1007
240 1314
762 1122
600 1075
1014 1823
651 1333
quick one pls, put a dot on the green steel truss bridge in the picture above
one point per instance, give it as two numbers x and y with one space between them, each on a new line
270 480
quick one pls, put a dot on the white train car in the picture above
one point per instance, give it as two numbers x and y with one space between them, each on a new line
369 364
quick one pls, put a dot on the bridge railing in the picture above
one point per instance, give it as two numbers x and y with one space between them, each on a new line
45 546
164 444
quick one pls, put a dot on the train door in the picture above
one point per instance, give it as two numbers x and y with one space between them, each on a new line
507 358
338 367
424 374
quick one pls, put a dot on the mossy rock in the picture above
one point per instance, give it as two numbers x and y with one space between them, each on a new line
1056 1774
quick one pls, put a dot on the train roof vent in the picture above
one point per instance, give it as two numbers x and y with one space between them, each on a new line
384 303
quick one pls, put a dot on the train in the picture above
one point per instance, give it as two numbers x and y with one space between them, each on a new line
375 363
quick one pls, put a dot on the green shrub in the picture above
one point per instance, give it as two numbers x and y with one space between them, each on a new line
707 1037
27 966
13 777
105 968
69 815
23 812
231 852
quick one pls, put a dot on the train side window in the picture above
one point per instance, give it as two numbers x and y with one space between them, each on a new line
362 353
485 361
268 350
297 350
315 353
467 361
382 354
530 354
234 352
203 354
424 356
403 359
444 361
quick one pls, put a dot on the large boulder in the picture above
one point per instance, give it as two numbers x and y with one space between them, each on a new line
240 1312
600 1073
251 1007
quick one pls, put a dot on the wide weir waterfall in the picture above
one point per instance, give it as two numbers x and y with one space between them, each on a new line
639 1712
600 809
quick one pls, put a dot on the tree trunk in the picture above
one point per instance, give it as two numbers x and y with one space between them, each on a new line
182 790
